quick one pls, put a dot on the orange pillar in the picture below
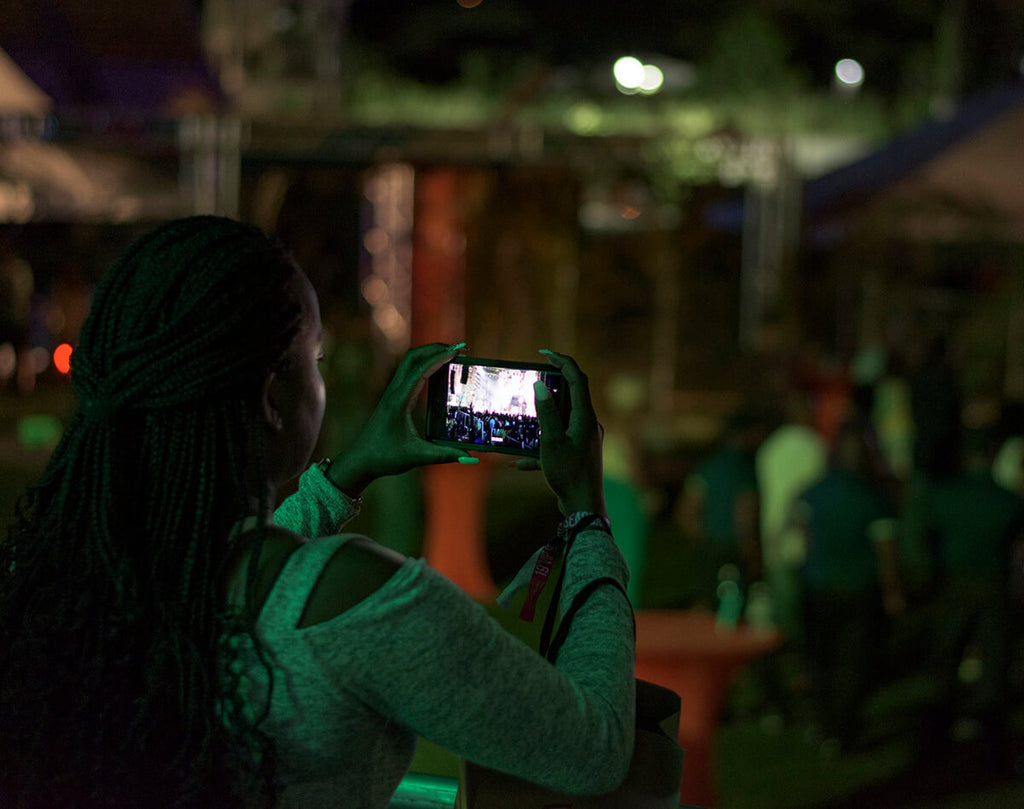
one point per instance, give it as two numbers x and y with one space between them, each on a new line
454 538
454 494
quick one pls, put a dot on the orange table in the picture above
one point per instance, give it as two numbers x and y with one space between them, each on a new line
685 651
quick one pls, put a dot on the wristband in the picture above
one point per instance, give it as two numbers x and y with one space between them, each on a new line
580 521
544 561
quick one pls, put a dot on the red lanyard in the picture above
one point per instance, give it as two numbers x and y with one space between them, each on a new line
541 572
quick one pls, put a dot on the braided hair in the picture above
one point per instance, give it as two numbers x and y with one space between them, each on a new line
112 616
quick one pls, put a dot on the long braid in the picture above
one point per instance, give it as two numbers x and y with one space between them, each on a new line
111 617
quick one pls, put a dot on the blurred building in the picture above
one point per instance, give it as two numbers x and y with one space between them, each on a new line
510 225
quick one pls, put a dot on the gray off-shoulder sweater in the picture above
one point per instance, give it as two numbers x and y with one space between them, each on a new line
419 657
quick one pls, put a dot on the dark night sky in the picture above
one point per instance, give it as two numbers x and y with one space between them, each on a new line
427 38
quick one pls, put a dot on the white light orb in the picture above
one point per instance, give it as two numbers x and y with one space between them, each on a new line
652 80
849 72
629 72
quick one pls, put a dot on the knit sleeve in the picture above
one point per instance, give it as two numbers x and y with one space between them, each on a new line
420 652
317 509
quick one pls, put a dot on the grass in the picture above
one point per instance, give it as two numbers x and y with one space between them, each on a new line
778 768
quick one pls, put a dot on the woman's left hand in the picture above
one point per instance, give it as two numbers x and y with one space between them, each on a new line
390 444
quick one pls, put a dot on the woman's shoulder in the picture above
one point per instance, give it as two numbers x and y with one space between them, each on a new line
355 571
276 546
339 571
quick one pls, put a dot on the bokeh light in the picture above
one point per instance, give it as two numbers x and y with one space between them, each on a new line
584 118
62 358
849 73
629 73
8 360
653 79
38 431
40 359
633 76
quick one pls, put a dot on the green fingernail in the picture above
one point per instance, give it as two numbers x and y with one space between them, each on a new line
466 459
545 351
456 347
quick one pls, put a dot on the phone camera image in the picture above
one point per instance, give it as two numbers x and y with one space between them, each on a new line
489 406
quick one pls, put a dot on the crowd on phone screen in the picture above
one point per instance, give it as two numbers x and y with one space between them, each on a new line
493 429
881 520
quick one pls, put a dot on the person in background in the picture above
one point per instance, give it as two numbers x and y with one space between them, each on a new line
936 401
624 484
627 508
1008 463
790 459
168 640
978 525
720 506
850 581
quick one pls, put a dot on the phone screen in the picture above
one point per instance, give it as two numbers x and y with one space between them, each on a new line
489 405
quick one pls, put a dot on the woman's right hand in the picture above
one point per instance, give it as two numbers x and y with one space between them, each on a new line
571 457
390 444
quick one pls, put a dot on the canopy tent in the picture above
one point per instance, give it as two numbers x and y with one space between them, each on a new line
19 95
44 181
111 56
954 178
92 95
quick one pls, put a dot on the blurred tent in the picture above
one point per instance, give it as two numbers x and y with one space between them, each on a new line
92 97
70 182
955 178
20 101
19 95
112 57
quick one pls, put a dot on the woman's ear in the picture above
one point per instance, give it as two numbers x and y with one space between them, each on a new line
271 414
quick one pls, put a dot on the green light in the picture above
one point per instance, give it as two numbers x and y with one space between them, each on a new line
423 791
39 431
970 670
584 118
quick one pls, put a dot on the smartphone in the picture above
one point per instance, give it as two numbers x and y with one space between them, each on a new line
488 405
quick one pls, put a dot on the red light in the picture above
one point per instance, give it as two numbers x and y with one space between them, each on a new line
62 358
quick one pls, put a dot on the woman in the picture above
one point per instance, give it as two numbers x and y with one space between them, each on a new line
167 640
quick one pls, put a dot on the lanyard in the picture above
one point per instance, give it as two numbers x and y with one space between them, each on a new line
541 572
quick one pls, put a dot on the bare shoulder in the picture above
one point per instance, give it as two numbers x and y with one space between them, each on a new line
357 569
277 546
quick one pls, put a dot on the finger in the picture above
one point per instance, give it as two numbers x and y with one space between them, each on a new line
419 364
526 464
438 356
582 408
429 454
423 360
436 364
551 429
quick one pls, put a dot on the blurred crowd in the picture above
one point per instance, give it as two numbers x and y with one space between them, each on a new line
864 500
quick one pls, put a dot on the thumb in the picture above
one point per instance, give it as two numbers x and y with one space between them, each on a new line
550 424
